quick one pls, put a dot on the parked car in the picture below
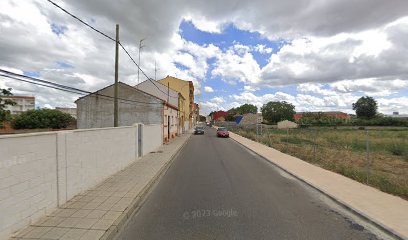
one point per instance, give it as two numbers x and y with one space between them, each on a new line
199 130
222 132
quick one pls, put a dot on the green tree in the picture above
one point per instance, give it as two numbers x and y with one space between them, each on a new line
42 118
5 114
365 107
247 108
202 118
230 117
243 109
275 112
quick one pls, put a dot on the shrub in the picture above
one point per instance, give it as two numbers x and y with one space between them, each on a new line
42 118
397 149
318 119
381 121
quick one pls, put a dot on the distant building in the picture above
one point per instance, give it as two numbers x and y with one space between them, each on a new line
398 115
286 124
135 106
23 103
196 112
186 89
339 115
251 118
70 111
173 112
219 116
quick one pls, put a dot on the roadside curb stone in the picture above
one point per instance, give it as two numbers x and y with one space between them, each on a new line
371 207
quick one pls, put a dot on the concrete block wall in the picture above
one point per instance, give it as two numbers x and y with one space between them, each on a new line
39 172
28 180
152 137
87 157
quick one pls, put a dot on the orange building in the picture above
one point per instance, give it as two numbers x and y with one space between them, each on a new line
186 89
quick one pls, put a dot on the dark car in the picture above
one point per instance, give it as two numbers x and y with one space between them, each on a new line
199 130
222 132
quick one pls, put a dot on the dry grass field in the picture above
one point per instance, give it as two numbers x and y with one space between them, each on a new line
383 166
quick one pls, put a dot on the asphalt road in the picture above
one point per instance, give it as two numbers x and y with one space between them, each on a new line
216 189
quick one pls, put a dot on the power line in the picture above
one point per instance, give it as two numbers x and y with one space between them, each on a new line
105 35
43 81
61 87
141 70
83 22
22 80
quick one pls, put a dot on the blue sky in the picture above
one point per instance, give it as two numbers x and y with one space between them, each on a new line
229 37
306 94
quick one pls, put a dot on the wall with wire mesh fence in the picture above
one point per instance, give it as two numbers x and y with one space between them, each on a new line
374 156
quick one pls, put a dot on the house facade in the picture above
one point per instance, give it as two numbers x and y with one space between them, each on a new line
196 116
186 89
23 103
172 113
134 106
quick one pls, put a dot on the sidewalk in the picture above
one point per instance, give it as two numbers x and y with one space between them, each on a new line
385 210
100 212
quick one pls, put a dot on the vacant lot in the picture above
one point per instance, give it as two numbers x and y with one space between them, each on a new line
384 165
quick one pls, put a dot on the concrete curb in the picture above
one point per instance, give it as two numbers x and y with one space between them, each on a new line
136 204
384 228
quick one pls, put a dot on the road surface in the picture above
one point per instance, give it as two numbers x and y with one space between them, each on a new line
216 189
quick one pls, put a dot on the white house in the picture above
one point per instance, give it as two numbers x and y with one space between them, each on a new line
171 115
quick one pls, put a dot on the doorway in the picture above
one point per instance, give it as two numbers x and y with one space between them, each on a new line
168 128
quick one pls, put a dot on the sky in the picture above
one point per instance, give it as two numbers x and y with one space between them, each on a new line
319 55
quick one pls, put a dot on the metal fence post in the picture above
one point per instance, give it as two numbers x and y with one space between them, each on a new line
269 137
368 155
287 139
314 144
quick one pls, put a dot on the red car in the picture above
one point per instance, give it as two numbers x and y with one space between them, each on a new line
222 132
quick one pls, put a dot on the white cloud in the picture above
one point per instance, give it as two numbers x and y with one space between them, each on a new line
214 104
373 54
208 89
263 49
250 88
314 88
389 105
370 87
237 64
205 25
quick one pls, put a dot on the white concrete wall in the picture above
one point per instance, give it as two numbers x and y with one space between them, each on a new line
187 125
152 138
40 171
28 180
89 156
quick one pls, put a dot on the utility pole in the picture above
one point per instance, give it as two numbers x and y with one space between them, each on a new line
155 70
115 104
138 69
